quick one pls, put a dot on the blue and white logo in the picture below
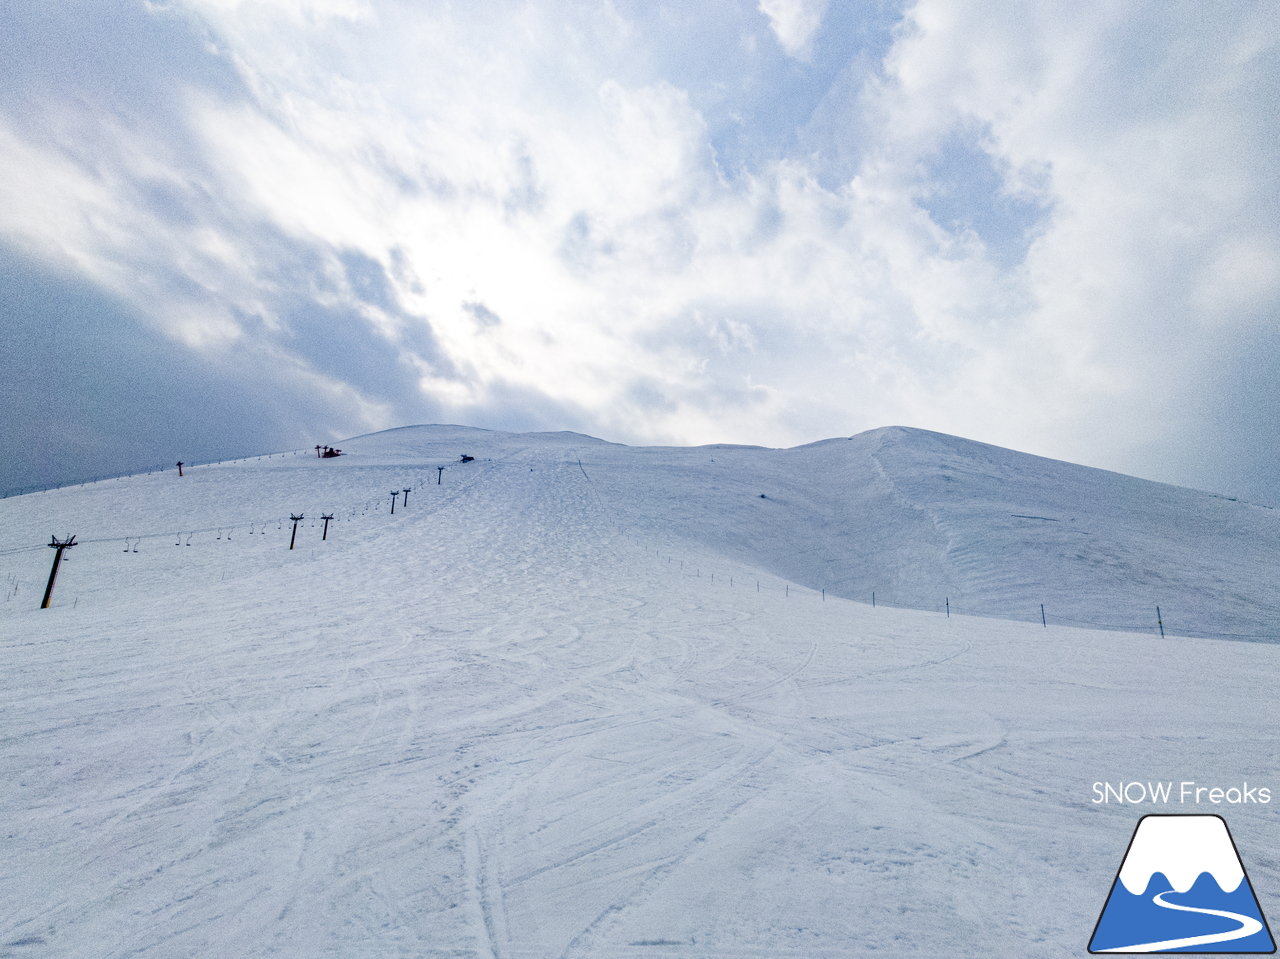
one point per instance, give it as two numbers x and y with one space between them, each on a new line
1182 888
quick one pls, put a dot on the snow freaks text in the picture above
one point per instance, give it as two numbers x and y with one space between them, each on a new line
1187 792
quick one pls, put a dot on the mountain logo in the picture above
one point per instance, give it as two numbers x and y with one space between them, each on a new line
1181 888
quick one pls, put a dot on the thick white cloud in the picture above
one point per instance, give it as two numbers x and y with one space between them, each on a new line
1055 228
794 23
1140 128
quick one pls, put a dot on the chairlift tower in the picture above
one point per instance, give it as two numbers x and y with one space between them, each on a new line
61 547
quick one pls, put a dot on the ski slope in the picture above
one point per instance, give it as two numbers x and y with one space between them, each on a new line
580 699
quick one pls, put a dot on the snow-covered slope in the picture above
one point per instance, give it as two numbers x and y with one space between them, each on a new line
920 519
585 700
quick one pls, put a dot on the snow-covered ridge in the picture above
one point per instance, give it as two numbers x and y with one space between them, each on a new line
926 520
918 519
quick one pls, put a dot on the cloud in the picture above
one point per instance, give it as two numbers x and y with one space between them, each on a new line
89 389
794 22
1040 226
1133 133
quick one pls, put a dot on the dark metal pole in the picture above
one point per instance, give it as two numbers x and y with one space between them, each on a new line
326 517
1043 621
1160 622
57 561
179 467
317 451
439 475
296 520
394 494
406 495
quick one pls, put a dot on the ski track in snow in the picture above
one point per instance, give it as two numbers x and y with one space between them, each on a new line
504 723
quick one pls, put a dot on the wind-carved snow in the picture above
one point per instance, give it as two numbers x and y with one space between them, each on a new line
580 700
1181 848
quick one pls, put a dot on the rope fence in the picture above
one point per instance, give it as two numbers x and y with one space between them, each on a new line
1157 625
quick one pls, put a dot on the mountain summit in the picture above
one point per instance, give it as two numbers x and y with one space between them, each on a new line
926 520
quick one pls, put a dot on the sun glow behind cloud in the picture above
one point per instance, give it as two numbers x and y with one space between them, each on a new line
1039 226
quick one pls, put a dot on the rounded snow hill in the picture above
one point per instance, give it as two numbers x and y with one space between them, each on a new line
914 518
923 520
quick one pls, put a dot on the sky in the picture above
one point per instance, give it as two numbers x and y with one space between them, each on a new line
229 227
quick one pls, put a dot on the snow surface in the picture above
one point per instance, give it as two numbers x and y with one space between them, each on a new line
588 700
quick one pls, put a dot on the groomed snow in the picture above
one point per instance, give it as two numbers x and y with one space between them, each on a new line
543 710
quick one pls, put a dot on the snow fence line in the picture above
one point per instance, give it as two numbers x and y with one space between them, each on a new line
1155 627
694 571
